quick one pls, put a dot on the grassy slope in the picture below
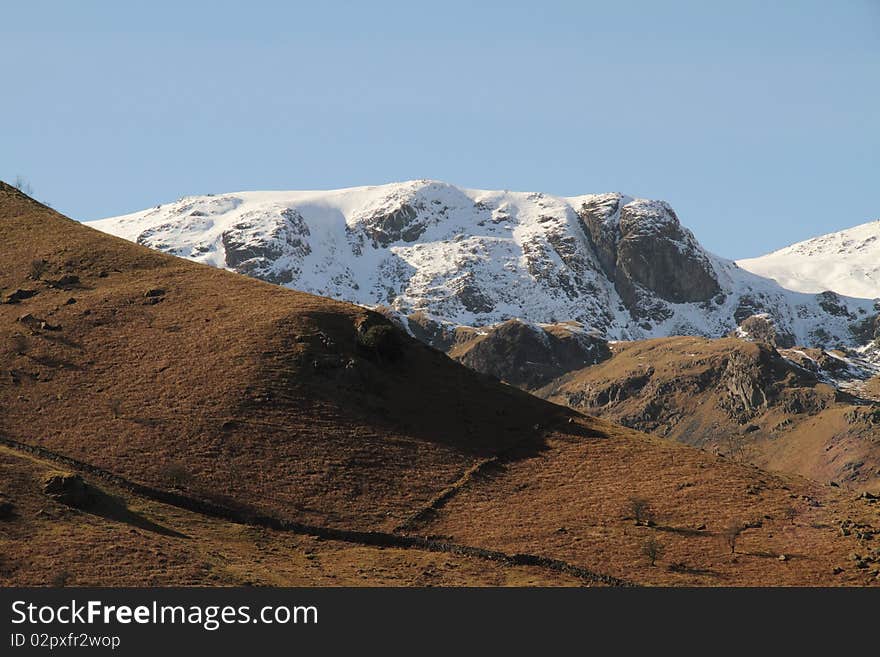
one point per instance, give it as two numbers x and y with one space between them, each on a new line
677 388
255 392
144 543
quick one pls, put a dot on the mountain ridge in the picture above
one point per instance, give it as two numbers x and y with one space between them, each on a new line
624 267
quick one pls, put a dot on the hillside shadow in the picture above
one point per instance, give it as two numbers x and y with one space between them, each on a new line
115 509
56 363
763 554
684 531
683 569
61 339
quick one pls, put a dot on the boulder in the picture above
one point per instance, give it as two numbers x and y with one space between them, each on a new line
19 295
67 488
66 281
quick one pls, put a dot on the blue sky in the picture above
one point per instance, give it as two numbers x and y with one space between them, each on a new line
758 121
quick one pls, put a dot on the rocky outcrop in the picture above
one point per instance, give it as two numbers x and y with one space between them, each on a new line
762 328
528 356
832 304
600 219
657 254
253 249
746 380
866 329
401 223
646 252
18 296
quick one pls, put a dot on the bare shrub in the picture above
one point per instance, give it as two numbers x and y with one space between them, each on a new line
640 510
38 268
653 550
115 406
61 578
731 535
176 474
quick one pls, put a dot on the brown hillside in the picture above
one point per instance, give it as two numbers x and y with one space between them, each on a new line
739 398
251 417
161 370
574 502
123 540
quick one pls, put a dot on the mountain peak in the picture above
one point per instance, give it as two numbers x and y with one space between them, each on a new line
846 262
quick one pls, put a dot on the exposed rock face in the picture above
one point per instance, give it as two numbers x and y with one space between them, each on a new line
747 379
646 252
528 356
469 294
600 217
747 306
657 254
252 248
867 329
832 304
398 224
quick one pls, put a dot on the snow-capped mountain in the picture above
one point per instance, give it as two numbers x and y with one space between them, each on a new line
622 266
847 262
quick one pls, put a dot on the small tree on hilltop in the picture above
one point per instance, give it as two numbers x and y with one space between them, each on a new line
22 185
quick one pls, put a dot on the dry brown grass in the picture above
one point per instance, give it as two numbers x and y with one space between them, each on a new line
46 543
572 502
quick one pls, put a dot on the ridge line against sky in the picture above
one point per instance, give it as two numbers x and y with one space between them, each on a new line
756 121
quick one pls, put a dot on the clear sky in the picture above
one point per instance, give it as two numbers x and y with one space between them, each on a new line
757 120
